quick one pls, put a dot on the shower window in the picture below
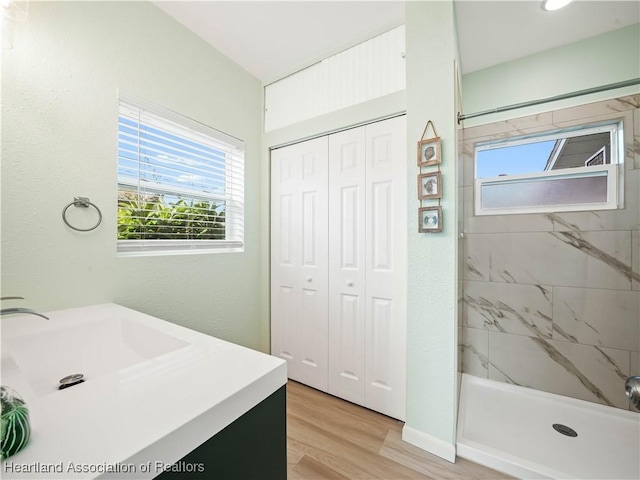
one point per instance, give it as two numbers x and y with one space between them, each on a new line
567 170
180 183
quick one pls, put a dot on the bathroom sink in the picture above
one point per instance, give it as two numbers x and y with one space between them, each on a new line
92 347
154 391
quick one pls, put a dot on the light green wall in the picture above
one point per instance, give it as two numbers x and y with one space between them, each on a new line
59 138
432 273
608 58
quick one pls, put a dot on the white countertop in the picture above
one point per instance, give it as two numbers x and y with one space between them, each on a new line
142 416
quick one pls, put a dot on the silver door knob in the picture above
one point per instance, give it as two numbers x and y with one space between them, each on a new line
308 279
349 283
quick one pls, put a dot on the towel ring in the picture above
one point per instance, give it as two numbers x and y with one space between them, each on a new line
85 203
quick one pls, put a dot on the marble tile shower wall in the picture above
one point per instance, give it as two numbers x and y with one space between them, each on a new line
552 301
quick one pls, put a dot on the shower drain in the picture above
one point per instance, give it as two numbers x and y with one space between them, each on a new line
564 430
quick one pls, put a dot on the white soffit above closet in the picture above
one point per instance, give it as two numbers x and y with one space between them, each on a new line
271 39
366 71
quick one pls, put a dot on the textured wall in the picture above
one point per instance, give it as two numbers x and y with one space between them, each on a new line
552 301
59 138
432 274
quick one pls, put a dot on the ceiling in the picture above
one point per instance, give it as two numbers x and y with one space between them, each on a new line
490 33
274 38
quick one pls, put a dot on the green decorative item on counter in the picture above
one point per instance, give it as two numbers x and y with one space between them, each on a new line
16 429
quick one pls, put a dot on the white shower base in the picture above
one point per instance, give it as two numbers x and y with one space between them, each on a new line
509 428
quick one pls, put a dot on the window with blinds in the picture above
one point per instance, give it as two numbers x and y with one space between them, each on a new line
180 183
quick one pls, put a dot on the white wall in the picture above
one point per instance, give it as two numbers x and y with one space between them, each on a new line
59 134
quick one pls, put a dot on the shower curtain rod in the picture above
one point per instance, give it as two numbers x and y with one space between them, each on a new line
602 88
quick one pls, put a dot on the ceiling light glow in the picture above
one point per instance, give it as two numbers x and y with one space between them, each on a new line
550 5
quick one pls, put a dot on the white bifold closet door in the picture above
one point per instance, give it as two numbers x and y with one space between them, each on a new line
299 288
367 266
338 263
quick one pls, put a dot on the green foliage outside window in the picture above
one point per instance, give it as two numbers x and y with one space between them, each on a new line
152 219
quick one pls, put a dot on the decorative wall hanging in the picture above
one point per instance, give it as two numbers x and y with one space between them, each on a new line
429 185
430 219
429 150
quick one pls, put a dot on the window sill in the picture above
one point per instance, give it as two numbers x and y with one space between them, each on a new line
150 248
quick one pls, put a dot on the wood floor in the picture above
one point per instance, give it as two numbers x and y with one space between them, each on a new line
329 438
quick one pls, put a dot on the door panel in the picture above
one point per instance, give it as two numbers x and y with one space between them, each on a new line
381 234
386 226
299 277
350 211
380 330
346 265
350 361
313 343
309 229
284 244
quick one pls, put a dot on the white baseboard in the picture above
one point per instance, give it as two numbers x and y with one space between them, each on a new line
429 443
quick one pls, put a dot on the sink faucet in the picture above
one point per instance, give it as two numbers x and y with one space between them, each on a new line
12 311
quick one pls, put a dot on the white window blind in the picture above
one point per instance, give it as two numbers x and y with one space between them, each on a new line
180 183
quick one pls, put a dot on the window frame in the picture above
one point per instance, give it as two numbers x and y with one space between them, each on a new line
233 175
614 171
